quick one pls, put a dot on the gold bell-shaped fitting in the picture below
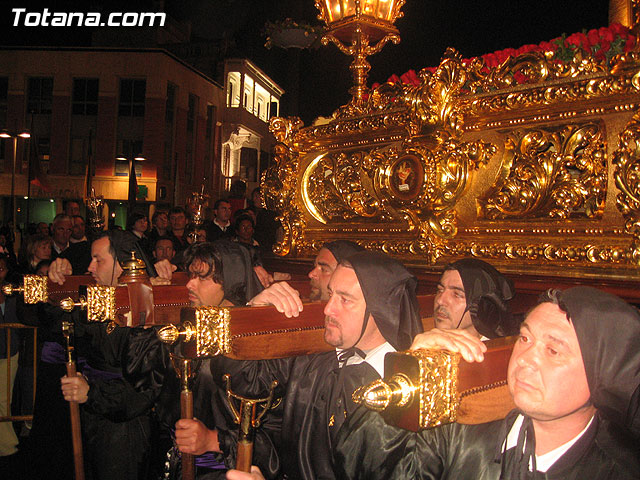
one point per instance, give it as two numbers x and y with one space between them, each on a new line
133 270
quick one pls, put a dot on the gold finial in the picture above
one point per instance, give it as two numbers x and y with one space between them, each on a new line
67 304
133 270
9 289
398 392
171 334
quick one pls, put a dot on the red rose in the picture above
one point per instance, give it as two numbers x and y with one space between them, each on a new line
631 43
548 46
618 29
519 77
594 37
410 78
394 79
578 39
606 34
491 60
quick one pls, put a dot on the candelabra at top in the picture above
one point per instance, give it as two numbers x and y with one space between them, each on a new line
359 28
197 203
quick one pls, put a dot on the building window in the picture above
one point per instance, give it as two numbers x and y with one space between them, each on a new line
132 95
40 95
85 96
230 89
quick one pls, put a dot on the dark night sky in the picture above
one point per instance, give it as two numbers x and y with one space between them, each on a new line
428 27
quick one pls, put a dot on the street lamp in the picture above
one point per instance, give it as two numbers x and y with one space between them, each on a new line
360 28
7 134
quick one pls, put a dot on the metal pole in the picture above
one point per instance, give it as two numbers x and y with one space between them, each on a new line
13 189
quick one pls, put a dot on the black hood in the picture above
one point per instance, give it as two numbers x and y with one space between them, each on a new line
342 249
608 330
487 293
240 282
390 293
125 242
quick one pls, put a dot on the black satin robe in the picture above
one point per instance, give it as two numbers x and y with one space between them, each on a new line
296 438
368 448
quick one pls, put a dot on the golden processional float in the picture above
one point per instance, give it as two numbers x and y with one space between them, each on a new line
531 163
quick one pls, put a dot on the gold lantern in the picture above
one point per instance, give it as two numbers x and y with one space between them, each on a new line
359 28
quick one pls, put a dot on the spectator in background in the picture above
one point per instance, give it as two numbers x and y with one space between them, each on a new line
62 228
138 224
219 228
163 249
43 228
78 233
43 267
266 226
244 230
178 222
71 208
39 248
160 226
237 196
79 251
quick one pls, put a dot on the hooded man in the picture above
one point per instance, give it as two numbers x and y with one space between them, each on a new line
287 300
574 376
115 394
472 294
372 310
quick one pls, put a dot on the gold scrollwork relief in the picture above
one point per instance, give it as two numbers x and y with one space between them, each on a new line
280 183
626 160
559 173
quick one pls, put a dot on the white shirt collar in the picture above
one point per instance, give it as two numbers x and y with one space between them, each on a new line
375 357
545 461
223 227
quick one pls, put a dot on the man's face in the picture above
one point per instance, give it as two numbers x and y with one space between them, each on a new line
450 302
141 225
245 230
162 221
43 229
203 291
103 267
323 267
178 221
164 250
344 313
78 228
62 230
223 212
72 208
546 373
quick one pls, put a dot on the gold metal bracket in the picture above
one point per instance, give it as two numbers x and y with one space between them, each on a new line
100 303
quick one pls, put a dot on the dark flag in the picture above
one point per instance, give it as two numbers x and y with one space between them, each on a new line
133 187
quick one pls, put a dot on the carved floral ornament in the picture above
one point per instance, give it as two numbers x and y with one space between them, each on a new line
396 177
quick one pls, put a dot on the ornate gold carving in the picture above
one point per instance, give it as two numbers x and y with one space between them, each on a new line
101 303
280 184
535 67
35 289
212 327
434 387
627 176
556 173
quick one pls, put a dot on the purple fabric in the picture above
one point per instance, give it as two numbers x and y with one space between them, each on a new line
208 460
53 352
95 374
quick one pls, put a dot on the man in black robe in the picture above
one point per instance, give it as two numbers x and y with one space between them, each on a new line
574 376
473 295
287 300
116 384
372 310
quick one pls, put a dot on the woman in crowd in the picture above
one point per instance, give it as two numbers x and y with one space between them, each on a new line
38 249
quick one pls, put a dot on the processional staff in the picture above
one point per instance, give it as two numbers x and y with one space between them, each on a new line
74 407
